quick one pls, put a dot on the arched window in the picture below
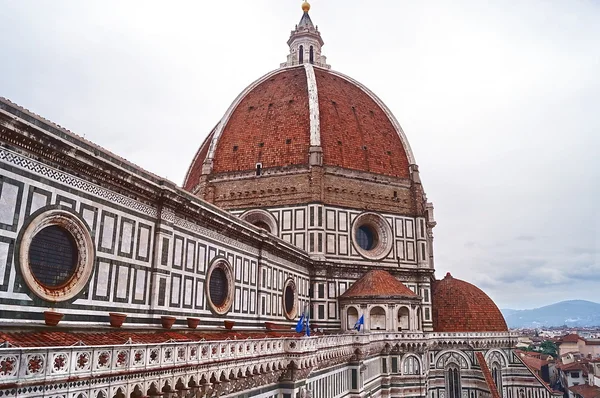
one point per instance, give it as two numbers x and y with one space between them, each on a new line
453 387
312 55
378 319
403 319
411 366
301 55
352 315
497 376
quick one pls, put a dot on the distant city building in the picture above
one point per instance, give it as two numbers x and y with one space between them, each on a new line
304 202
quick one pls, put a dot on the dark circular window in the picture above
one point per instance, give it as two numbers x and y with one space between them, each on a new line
218 287
53 256
289 299
366 237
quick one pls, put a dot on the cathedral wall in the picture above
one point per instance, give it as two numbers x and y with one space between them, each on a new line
147 261
325 232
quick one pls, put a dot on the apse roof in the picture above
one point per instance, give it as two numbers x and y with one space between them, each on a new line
378 283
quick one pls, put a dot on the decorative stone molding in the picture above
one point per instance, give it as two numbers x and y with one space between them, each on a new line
85 254
384 237
223 264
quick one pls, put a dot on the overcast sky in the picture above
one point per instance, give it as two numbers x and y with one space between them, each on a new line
500 101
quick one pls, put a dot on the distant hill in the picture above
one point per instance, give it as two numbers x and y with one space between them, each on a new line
573 313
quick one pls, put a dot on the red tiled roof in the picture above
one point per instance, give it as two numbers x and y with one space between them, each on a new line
586 391
534 363
355 132
459 306
110 337
573 366
570 338
378 283
271 125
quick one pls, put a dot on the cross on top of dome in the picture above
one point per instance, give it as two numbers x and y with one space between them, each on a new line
305 43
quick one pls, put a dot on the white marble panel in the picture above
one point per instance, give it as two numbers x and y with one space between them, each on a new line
8 203
144 239
38 201
140 285
126 235
103 283
189 292
3 257
177 252
108 229
122 286
176 285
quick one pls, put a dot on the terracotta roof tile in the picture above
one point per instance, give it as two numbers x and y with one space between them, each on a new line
586 391
489 380
69 338
459 306
378 283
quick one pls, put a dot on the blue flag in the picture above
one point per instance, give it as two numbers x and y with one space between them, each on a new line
307 325
359 323
300 324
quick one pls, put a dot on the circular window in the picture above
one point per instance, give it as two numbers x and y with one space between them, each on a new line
366 237
219 288
372 236
56 255
53 256
290 299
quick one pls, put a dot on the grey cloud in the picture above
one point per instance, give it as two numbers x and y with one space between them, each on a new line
499 105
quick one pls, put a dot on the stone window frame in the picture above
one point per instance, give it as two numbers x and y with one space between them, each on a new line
84 244
291 315
223 264
258 215
379 225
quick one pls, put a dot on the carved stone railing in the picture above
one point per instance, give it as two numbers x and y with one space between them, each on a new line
26 365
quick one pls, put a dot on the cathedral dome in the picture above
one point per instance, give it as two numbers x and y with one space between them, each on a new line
283 116
459 306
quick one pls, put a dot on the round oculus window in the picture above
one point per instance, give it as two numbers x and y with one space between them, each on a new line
290 299
56 255
366 237
372 236
53 256
219 287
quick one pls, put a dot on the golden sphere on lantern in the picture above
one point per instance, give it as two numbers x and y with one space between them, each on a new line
306 6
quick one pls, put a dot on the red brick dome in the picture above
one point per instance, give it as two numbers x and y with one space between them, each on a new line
459 306
283 116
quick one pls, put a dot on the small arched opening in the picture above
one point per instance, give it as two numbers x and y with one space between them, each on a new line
311 55
377 319
403 319
301 55
352 317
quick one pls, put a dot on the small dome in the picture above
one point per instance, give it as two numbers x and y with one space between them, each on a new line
459 306
378 283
